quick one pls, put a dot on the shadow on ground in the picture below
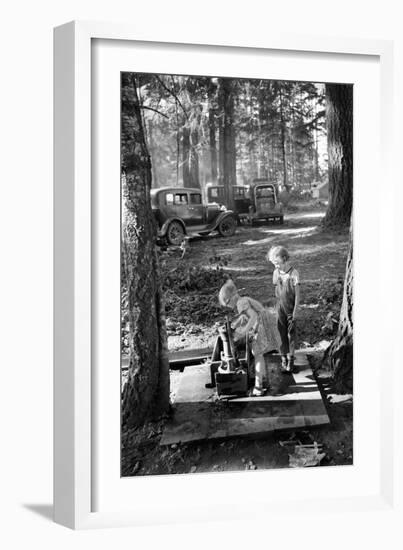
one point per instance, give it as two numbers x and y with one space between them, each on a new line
43 510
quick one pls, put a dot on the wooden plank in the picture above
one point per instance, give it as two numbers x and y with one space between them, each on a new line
304 376
186 357
179 358
189 353
190 422
199 416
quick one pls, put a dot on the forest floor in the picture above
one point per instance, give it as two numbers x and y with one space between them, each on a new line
193 314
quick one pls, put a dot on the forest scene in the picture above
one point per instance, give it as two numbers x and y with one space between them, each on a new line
215 173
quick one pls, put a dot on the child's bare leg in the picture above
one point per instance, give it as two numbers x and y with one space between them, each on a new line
292 348
260 367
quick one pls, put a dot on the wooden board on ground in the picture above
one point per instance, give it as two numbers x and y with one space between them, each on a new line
198 415
185 357
179 359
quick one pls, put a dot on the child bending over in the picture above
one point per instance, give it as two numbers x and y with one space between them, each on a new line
254 322
287 282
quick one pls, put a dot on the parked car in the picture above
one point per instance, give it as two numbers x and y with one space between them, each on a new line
180 211
241 200
264 202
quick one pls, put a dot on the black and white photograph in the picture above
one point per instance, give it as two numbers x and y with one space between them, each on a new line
236 274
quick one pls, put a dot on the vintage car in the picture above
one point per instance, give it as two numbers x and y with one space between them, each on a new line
241 200
264 202
180 211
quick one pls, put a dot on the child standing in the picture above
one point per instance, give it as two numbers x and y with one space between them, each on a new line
254 321
287 282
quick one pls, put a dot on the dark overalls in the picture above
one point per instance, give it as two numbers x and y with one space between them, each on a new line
285 294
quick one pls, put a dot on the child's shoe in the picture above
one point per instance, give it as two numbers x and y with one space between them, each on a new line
290 364
258 392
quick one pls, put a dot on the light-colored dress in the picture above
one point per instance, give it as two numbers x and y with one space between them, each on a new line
265 334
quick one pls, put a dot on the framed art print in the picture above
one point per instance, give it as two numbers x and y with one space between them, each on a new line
220 232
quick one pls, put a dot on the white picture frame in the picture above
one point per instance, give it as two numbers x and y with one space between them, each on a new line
77 208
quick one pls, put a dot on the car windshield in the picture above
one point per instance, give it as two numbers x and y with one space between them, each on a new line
264 192
239 192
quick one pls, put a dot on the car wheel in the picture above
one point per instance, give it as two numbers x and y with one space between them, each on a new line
175 233
227 227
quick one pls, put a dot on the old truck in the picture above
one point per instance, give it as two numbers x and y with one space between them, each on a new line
180 211
264 203
254 202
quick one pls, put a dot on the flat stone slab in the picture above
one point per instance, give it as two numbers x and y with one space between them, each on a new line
294 402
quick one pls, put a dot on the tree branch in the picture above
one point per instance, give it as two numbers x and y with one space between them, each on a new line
174 95
155 110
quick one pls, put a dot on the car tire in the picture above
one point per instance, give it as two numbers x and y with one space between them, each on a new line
227 226
175 233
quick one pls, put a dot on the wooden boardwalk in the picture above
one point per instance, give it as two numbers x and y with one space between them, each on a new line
294 402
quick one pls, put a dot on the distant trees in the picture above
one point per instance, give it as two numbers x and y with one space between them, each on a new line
233 130
147 388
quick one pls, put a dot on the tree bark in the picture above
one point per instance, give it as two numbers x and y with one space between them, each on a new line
213 146
339 120
190 158
212 131
152 146
283 142
316 147
147 389
339 356
229 153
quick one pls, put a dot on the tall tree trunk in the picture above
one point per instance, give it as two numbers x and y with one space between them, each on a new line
229 153
233 156
212 91
292 146
190 159
147 389
283 142
194 159
339 119
253 169
190 140
151 147
213 146
339 356
221 138
316 148
259 144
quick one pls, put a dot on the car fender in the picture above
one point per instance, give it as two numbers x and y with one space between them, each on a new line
163 229
222 216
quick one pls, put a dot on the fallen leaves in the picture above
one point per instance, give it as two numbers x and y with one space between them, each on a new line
249 464
306 456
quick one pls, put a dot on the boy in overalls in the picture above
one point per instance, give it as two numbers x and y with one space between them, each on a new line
287 283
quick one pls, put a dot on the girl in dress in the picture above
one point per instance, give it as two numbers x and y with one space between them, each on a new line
255 322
